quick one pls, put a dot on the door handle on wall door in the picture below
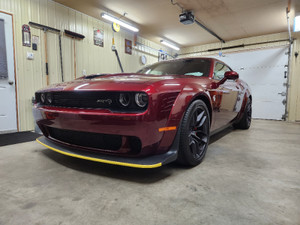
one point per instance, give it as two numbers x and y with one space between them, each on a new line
10 82
282 93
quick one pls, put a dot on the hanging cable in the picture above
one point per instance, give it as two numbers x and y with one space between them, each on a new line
176 3
221 50
288 23
124 14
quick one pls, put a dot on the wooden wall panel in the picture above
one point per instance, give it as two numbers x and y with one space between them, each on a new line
251 40
91 58
294 92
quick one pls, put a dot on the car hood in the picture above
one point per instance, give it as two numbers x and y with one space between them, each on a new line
115 82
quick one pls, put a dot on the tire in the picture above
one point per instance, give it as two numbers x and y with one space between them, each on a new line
194 134
245 122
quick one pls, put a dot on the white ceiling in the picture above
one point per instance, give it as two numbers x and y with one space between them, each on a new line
230 19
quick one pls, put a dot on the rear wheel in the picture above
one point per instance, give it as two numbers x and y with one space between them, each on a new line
245 121
194 134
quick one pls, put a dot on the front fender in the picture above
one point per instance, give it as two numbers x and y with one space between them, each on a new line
245 99
187 95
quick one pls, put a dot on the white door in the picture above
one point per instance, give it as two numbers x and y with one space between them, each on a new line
8 115
264 71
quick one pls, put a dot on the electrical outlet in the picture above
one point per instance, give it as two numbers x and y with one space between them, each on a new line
30 55
84 72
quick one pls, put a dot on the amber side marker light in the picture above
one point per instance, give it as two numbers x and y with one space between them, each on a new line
166 129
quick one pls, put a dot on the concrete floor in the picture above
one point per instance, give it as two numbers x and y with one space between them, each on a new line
247 177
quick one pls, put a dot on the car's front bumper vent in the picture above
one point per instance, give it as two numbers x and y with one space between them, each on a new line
97 141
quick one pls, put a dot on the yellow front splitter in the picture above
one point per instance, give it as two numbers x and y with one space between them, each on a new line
148 162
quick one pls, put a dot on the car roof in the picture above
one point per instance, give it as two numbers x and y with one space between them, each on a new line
186 58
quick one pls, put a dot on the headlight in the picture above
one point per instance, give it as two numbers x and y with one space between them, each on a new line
141 99
124 99
49 98
43 98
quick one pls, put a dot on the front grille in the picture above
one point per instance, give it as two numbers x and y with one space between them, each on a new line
85 99
87 139
90 100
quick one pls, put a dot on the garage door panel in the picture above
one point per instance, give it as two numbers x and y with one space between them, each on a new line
258 58
270 75
264 71
272 113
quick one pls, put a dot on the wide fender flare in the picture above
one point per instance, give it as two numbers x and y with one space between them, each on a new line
245 99
187 95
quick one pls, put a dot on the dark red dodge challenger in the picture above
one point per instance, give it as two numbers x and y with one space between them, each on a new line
163 113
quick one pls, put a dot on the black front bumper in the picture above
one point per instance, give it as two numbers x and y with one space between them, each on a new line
147 162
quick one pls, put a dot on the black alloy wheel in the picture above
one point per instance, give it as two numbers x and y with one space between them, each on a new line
194 134
248 114
245 122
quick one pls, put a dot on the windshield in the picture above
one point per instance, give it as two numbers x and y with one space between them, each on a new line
194 67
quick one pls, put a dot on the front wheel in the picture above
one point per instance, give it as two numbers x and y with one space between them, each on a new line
194 134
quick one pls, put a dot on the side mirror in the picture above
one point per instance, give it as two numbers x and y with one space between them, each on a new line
231 75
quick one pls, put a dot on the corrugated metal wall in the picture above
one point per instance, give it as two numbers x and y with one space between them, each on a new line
93 59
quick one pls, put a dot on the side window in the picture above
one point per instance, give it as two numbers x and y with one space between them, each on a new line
220 70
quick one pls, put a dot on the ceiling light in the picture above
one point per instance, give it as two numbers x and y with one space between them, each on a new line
169 45
121 23
297 24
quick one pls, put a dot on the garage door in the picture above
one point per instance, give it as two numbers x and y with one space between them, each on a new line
264 71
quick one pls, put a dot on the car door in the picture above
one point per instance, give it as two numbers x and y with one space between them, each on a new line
226 96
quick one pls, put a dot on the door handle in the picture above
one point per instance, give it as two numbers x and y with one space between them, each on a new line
282 93
10 82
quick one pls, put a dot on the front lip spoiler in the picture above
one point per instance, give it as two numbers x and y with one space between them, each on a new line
147 162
